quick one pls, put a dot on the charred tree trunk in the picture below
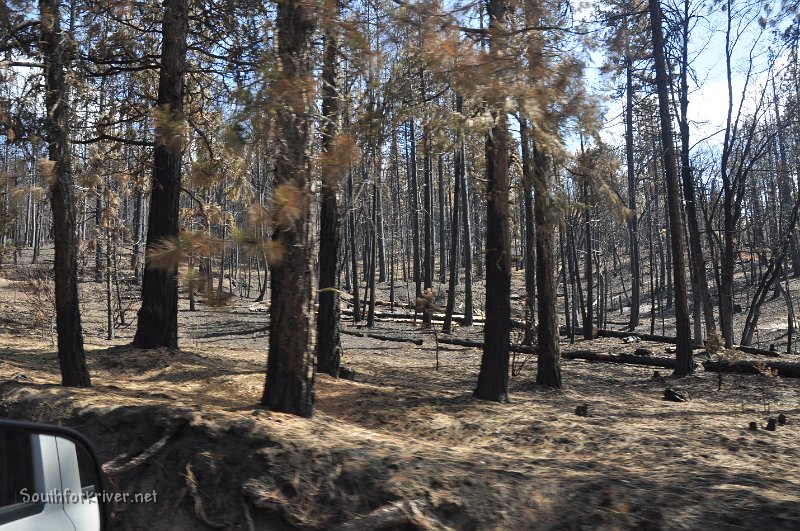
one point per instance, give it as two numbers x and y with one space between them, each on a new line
290 367
467 242
530 235
493 377
784 175
328 339
373 233
136 258
158 317
98 245
381 240
71 356
353 256
414 193
454 231
567 308
427 191
588 319
703 297
633 215
442 240
684 364
549 366
397 225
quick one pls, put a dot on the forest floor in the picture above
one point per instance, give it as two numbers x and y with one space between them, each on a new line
405 445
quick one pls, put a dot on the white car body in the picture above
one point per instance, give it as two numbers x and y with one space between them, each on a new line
58 502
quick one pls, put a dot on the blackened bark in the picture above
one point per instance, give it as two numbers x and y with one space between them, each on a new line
465 217
71 357
784 176
98 248
353 259
158 317
414 193
454 230
588 318
549 366
395 220
479 228
565 268
731 208
328 338
263 292
381 243
290 366
427 191
575 272
530 235
633 215
684 363
373 250
442 240
493 377
702 297
346 250
136 259
572 267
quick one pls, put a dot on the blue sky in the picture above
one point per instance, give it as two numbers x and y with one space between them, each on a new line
708 104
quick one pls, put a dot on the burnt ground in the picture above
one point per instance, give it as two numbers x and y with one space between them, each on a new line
405 445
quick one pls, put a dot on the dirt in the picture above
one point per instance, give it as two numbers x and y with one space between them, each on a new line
404 439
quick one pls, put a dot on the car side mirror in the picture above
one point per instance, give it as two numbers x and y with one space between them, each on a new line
50 478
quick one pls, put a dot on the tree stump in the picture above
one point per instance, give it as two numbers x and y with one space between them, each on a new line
674 396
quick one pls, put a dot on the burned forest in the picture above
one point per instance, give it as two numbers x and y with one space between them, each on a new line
494 264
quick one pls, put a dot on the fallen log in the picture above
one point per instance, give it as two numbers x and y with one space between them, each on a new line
784 368
758 351
604 332
587 355
525 349
350 333
460 342
396 338
379 337
631 359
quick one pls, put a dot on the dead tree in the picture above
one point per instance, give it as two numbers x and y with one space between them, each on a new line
682 325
